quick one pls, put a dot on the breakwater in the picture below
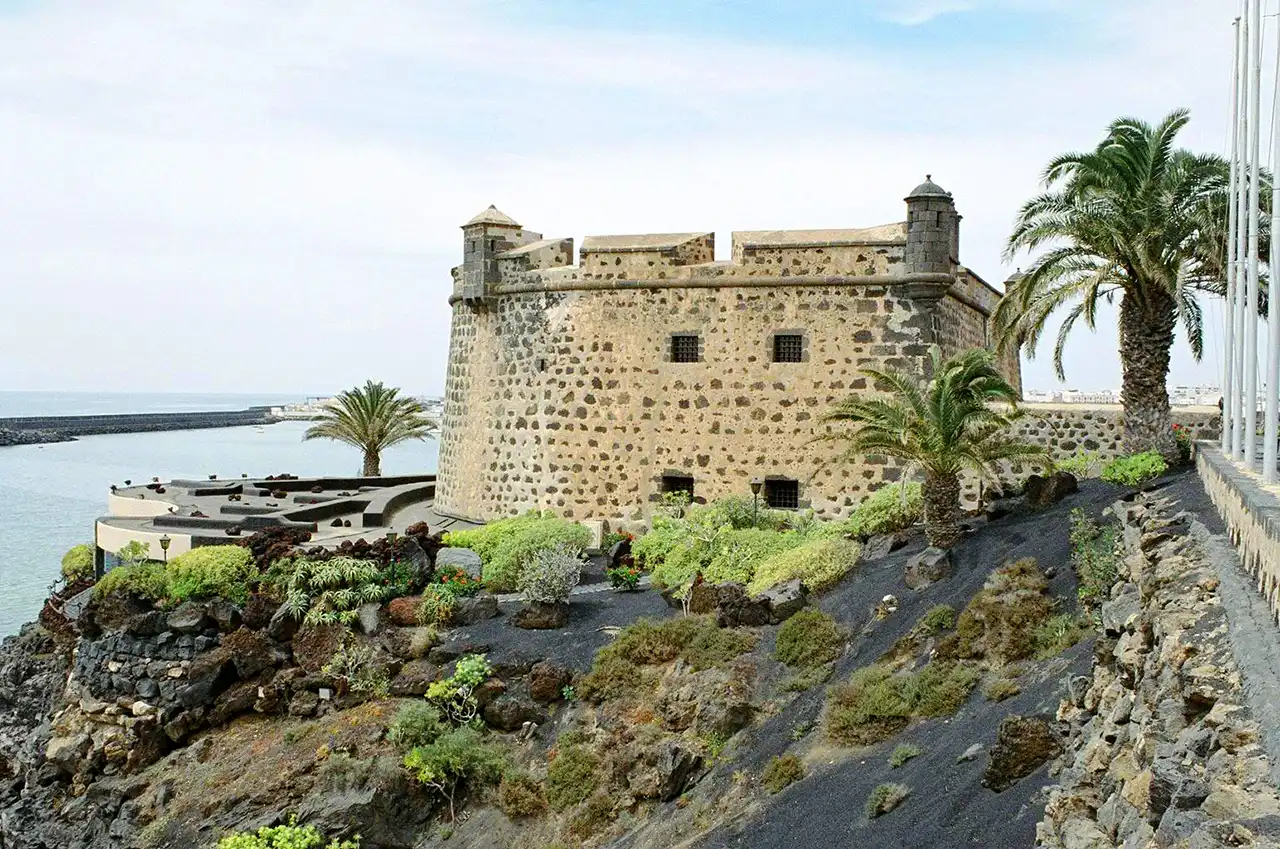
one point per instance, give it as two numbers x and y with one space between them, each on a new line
27 430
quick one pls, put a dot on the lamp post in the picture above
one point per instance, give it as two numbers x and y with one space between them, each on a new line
164 546
756 484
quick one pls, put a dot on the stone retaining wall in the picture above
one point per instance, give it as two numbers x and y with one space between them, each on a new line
1252 516
1164 751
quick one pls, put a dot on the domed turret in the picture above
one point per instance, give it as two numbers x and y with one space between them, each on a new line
933 230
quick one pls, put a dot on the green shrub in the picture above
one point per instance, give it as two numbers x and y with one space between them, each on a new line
520 796
289 836
354 665
551 574
1082 464
902 753
1001 689
819 563
876 704
146 580
594 816
456 756
326 592
1135 469
885 798
998 624
939 618
616 670
572 776
724 554
1094 557
133 553
455 695
781 772
809 639
77 563
1059 633
416 724
892 507
508 545
212 571
807 678
437 605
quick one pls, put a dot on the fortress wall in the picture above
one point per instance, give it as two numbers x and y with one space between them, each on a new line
867 260
581 412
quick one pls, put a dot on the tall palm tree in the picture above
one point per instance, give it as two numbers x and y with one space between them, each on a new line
942 426
372 418
1135 219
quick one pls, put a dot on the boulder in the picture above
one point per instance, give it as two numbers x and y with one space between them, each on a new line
226 615
735 608
619 553
304 703
188 618
208 676
542 616
927 568
1023 744
367 617
1041 491
258 612
68 752
509 712
451 651
547 681
459 558
998 508
414 678
489 690
283 625
881 546
477 608
403 611
314 645
409 643
701 598
664 771
785 600
409 551
251 652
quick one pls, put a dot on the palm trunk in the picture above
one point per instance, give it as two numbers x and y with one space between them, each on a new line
942 509
1146 338
372 464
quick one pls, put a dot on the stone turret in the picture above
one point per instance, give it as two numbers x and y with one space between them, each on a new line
933 230
483 238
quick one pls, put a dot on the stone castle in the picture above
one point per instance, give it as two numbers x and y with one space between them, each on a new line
649 367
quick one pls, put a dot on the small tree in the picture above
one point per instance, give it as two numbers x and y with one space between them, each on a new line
372 418
941 426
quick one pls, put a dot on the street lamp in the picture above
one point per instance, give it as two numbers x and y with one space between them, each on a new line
756 484
164 546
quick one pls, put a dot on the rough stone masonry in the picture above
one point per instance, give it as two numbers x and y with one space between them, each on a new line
590 389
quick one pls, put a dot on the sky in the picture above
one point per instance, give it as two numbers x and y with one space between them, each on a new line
264 196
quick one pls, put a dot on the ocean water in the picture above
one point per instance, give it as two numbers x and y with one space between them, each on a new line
50 495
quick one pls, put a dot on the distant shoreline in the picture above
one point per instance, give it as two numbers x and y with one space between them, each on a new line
37 430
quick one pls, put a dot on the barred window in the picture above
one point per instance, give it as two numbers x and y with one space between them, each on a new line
788 348
678 483
782 494
684 348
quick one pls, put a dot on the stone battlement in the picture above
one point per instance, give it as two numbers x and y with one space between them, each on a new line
592 387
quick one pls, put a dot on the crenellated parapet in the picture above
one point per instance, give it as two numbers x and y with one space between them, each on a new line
590 385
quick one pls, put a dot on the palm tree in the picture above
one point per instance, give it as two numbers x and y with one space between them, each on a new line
1136 219
941 426
372 418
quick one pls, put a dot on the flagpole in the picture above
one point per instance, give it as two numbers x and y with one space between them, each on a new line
1231 392
1251 298
1273 313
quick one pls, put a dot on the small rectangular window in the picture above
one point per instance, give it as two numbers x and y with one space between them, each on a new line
684 348
782 494
678 483
788 348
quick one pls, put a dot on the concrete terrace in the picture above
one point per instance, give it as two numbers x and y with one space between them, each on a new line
213 512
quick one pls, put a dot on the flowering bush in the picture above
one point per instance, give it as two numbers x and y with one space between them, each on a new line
614 537
441 596
1182 437
552 574
625 577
